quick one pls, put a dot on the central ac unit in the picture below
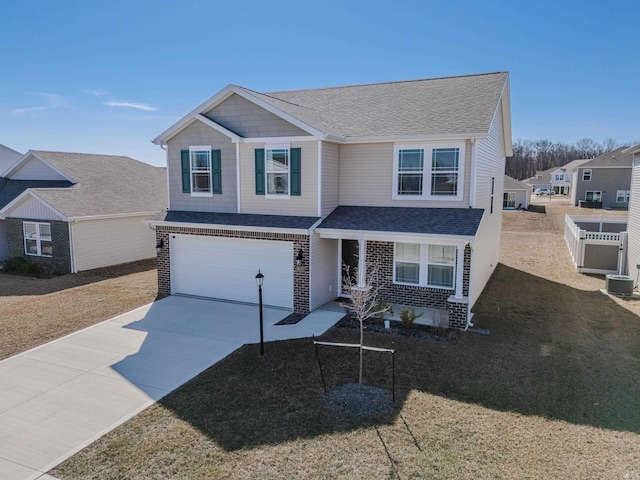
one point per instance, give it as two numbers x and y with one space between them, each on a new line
619 284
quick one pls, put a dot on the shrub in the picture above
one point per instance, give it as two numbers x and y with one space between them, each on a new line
408 317
384 308
21 265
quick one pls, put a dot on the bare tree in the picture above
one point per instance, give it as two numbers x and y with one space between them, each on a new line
365 301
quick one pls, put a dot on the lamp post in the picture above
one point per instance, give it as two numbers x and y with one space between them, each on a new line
259 282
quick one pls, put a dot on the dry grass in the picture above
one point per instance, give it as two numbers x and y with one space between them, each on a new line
34 311
553 392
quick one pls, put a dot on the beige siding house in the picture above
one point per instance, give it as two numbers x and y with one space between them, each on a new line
71 212
404 176
633 225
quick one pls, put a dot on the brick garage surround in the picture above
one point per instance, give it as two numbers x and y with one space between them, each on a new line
300 274
381 255
60 262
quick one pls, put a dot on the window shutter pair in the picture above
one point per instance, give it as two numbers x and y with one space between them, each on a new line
295 171
216 171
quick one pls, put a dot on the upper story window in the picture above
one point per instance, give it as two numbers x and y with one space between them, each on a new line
201 171
428 172
425 265
277 169
37 239
559 177
200 161
586 175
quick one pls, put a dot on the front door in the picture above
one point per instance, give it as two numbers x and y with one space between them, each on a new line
350 249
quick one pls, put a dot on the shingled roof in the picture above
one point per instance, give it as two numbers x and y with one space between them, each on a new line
449 105
102 185
615 158
408 220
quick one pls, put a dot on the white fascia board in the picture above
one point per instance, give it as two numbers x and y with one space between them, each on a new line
505 99
168 134
632 149
114 215
414 138
25 158
239 228
391 236
279 139
23 197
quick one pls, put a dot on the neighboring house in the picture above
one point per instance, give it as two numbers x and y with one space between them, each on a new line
71 211
604 181
402 176
539 180
556 179
8 156
516 194
633 225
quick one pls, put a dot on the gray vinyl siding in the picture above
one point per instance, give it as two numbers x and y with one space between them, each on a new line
605 180
330 177
633 225
199 134
250 121
324 271
490 163
366 178
304 205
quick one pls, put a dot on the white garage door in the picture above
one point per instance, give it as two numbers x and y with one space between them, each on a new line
226 268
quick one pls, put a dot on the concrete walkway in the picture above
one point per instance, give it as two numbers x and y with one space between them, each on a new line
58 398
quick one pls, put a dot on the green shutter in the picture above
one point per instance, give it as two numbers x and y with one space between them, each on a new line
216 171
259 158
186 171
295 172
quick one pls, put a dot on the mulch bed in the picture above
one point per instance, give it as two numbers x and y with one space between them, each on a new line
417 331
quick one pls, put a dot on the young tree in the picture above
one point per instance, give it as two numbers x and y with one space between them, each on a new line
365 301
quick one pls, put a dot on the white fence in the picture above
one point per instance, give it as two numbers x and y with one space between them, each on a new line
599 252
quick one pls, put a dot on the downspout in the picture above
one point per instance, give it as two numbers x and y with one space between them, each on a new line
72 246
166 160
469 314
239 204
472 182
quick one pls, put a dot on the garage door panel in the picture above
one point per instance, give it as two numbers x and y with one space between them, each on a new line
225 268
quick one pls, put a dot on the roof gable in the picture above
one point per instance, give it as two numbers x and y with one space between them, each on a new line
33 167
8 156
450 107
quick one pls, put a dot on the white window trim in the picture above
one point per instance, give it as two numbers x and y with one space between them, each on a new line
599 192
427 170
277 196
625 196
38 239
424 267
584 172
201 148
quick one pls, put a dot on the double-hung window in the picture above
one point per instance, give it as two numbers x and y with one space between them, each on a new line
428 171
277 170
37 239
586 175
200 165
425 265
622 196
593 196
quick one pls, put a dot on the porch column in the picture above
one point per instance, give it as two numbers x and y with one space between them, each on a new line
459 270
362 267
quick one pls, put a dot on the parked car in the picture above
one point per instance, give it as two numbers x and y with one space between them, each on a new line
543 191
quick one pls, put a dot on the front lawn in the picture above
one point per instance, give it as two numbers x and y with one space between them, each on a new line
552 392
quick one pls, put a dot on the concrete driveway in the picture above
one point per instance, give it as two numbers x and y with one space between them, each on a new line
58 398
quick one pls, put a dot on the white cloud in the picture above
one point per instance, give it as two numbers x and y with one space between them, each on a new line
139 106
97 93
53 101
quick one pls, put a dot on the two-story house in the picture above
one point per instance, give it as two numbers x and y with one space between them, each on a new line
404 176
604 181
633 224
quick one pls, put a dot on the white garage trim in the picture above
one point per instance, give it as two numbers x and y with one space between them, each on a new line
225 268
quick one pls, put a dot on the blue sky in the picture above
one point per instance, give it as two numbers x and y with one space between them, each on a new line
107 77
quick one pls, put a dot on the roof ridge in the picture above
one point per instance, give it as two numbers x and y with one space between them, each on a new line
381 83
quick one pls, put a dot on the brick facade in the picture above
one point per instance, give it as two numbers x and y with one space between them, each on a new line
300 274
381 255
60 262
